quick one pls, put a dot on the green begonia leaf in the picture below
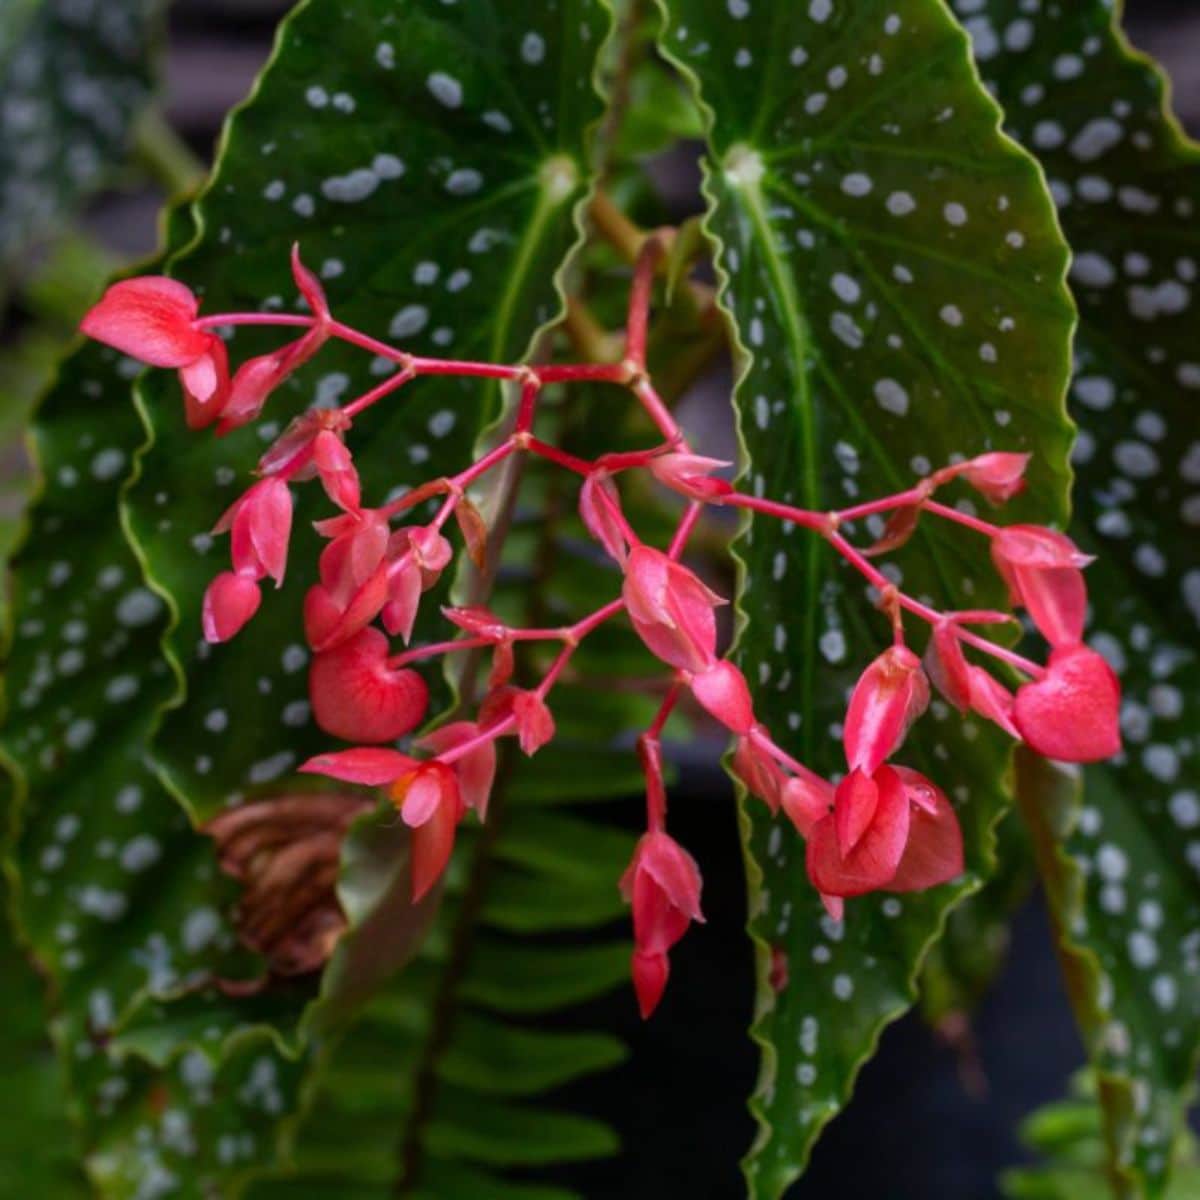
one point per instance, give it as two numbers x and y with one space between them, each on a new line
894 271
1127 183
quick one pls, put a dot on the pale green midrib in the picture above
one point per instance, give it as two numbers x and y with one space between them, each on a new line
799 346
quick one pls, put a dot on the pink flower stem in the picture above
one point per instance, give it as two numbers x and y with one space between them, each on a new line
583 373
962 518
528 405
763 740
553 454
930 615
376 393
251 318
446 366
658 412
686 525
436 648
821 522
639 300
650 755
901 499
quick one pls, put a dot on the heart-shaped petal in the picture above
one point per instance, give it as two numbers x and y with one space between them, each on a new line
934 852
356 696
1072 713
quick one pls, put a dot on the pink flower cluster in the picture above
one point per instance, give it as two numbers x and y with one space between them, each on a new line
881 826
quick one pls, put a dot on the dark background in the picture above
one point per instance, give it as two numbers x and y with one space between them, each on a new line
913 1132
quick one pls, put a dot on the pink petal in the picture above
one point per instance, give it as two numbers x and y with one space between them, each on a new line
270 518
674 870
149 318
404 600
722 690
535 725
432 844
309 285
370 765
934 852
854 803
650 972
355 695
874 859
598 499
891 693
807 800
1072 713
422 796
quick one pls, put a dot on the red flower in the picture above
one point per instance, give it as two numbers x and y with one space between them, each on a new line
690 475
1042 570
229 602
663 884
965 685
260 524
476 769
354 579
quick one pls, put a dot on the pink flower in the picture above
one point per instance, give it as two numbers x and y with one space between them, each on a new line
890 694
257 377
426 793
893 830
229 602
1042 570
690 475
357 696
671 609
476 769
999 475
722 690
663 884
1073 712
291 454
259 523
153 319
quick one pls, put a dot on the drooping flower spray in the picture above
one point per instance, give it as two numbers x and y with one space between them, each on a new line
882 826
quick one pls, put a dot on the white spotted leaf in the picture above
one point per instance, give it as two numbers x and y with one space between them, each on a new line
896 278
1127 184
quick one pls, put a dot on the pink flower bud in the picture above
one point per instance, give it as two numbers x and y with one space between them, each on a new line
999 475
758 773
260 524
1073 712
600 507
690 475
535 725
356 696
890 694
965 685
336 469
151 318
1042 570
229 602
723 692
671 609
807 799
290 455
663 884
876 851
